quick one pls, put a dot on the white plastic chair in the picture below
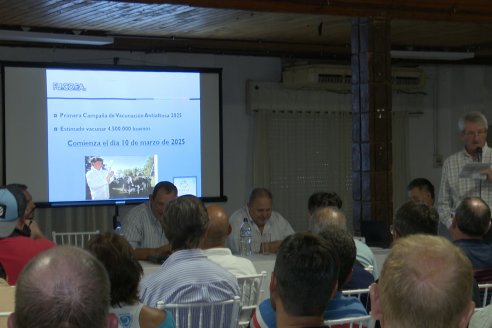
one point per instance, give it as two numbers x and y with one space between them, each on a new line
485 294
78 239
355 322
251 290
361 294
205 315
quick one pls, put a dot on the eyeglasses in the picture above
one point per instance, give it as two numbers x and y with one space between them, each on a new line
473 134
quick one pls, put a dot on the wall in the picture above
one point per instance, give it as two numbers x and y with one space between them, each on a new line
238 125
450 90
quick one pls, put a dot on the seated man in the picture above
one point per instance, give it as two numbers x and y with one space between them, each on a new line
342 244
215 240
471 221
415 218
187 276
63 287
425 282
324 217
20 236
262 219
142 226
304 279
421 190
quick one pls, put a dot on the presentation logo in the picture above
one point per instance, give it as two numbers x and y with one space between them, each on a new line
68 86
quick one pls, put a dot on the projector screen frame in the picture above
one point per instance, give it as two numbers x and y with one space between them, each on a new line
145 68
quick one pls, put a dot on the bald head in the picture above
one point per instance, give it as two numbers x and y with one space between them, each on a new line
218 227
328 216
62 287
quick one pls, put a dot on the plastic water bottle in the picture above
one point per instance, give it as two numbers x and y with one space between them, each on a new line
117 229
245 238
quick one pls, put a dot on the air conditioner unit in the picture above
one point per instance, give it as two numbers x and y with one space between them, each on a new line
338 78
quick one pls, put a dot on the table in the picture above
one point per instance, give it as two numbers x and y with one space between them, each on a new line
380 255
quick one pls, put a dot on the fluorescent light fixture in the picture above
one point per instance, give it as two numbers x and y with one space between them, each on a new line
431 55
7 35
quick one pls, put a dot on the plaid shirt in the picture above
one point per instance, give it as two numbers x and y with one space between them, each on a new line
453 188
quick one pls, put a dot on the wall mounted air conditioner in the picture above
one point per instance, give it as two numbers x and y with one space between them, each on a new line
338 78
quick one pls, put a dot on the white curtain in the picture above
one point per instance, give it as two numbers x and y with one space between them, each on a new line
299 153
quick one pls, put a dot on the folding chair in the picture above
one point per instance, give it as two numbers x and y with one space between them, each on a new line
78 239
355 322
361 294
205 315
485 294
251 290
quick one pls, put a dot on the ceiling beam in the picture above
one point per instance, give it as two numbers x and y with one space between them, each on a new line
443 10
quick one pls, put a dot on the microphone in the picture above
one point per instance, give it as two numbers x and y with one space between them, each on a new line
478 154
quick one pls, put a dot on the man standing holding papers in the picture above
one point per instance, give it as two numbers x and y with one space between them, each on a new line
473 131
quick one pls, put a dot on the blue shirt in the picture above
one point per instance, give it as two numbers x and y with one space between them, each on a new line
187 276
480 255
337 308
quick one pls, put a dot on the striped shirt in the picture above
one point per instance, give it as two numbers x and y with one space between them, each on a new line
187 276
141 228
453 188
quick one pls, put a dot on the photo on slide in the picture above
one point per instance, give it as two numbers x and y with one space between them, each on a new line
116 177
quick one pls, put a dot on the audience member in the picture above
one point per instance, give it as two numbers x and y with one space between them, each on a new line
214 245
323 199
425 282
187 276
124 270
303 281
142 226
325 217
473 128
415 218
482 318
342 244
16 248
471 221
63 287
263 221
421 190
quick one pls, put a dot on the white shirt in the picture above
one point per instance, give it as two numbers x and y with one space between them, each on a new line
453 188
99 186
236 265
277 226
141 228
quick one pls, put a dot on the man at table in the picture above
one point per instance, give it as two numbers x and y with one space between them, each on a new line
142 226
263 221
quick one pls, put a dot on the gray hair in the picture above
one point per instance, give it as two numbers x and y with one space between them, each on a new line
62 287
325 217
472 117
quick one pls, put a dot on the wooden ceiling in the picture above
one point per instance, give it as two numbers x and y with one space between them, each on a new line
310 29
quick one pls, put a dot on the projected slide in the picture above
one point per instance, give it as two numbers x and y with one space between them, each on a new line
115 134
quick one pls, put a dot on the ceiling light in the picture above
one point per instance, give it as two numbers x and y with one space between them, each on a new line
8 35
431 55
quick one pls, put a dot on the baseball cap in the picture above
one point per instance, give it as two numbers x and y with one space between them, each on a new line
9 213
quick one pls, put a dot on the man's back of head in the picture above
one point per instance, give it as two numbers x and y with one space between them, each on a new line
323 199
325 217
426 281
185 222
63 287
305 276
343 244
415 218
218 227
472 217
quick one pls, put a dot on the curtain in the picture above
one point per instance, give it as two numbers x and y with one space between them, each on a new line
299 153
